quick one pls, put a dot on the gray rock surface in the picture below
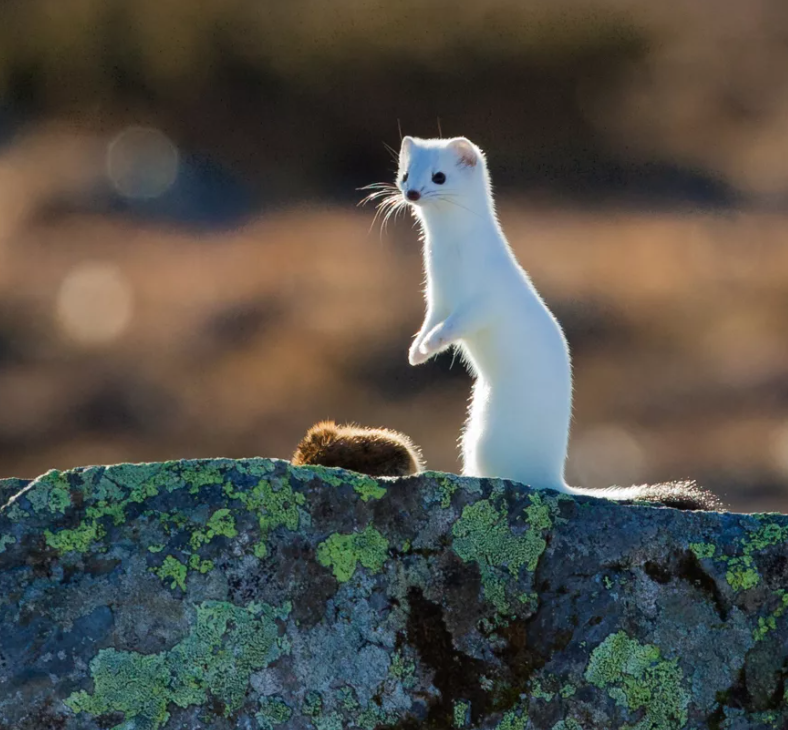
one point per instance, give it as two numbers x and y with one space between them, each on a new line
249 594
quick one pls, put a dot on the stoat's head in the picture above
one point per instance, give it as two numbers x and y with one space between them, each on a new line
434 172
434 175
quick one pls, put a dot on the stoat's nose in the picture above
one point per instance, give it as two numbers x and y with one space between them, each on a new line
413 195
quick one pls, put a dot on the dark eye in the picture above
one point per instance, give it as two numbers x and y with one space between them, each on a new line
405 177
439 178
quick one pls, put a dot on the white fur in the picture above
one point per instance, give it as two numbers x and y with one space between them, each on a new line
482 301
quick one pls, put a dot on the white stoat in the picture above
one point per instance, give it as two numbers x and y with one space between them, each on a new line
481 300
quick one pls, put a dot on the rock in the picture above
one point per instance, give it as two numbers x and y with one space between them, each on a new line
250 594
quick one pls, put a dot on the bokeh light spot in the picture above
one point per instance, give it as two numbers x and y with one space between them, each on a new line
142 163
95 303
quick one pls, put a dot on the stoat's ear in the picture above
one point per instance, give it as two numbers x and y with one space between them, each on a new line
405 148
467 154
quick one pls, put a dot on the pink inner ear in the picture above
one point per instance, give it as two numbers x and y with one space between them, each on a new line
465 153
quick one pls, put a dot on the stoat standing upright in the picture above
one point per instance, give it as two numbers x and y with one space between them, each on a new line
480 300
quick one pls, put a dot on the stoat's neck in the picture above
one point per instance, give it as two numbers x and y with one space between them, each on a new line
467 226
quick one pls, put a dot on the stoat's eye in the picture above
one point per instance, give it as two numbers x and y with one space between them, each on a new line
439 178
405 177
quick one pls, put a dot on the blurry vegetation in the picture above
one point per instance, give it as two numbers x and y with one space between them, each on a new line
299 96
579 95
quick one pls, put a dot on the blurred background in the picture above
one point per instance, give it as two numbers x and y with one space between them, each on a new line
184 271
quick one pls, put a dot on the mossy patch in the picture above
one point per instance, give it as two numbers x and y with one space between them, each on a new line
742 573
514 720
220 522
769 623
273 711
342 553
274 503
50 493
637 677
703 550
568 724
226 644
369 489
77 540
174 569
461 714
483 535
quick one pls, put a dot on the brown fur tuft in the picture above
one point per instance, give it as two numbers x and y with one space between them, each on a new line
378 452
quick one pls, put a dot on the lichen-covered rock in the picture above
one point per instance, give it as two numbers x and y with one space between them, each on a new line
250 594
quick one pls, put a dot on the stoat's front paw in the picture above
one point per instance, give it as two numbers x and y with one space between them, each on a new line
415 355
434 342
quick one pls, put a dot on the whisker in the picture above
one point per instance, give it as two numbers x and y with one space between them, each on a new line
375 195
392 152
377 185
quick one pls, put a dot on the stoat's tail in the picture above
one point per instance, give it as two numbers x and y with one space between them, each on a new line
685 495
379 452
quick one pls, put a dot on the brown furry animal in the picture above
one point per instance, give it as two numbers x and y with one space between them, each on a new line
378 452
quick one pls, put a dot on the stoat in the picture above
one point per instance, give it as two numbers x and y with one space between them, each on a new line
480 300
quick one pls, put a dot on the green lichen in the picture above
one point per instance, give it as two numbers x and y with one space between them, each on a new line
539 513
365 486
202 475
447 487
273 711
461 714
568 724
134 684
372 716
50 493
77 540
703 550
328 475
225 646
513 720
199 565
174 569
220 522
567 691
740 577
538 693
369 489
346 697
637 678
331 721
313 704
769 623
403 669
14 511
5 541
482 535
342 553
274 503
742 573
529 600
